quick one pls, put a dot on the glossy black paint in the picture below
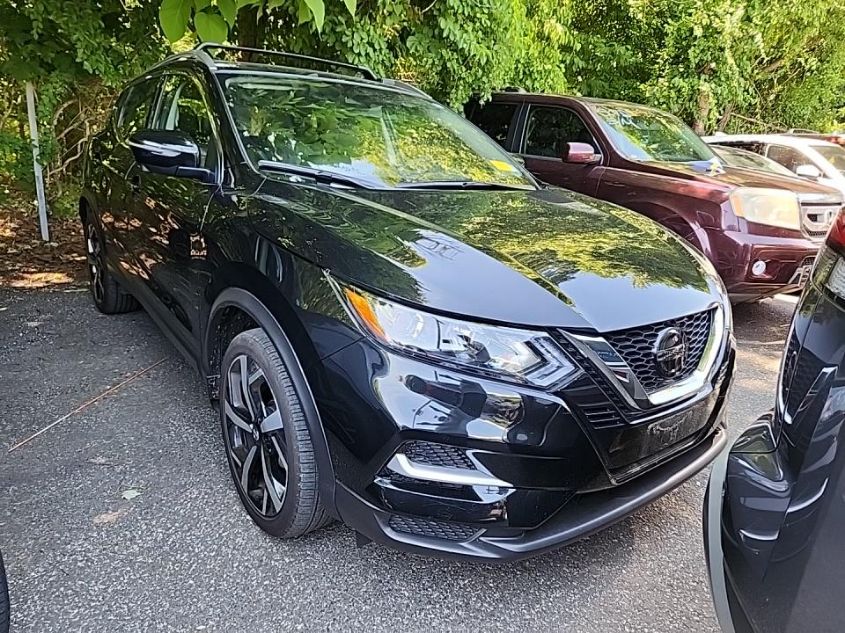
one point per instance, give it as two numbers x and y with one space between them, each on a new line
209 257
774 516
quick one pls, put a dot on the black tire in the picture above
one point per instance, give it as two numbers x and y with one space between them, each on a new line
4 599
256 398
107 294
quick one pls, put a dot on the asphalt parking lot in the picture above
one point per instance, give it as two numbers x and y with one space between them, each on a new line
122 516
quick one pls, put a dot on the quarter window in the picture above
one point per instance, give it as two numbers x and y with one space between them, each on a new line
550 129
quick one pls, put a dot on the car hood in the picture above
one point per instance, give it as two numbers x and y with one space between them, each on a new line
729 177
537 258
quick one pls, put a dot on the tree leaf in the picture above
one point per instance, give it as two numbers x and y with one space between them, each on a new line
199 5
351 5
318 10
211 27
229 11
272 4
173 16
303 13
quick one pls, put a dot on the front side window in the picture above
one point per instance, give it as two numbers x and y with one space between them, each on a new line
835 155
789 157
550 129
134 107
644 134
182 107
382 138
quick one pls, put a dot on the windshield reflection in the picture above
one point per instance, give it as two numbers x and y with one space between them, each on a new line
368 133
645 134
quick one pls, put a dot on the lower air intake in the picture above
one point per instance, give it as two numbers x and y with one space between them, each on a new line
429 528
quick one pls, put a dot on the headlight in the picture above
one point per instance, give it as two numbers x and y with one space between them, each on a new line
775 207
520 355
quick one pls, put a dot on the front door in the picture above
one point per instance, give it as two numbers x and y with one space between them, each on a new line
548 131
169 211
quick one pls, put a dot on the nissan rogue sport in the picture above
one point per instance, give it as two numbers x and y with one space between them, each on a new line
400 327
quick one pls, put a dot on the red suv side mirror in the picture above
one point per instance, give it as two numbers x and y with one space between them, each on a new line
580 153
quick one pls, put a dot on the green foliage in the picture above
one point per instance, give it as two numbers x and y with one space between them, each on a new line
781 62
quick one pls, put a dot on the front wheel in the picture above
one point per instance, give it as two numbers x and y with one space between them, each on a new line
267 441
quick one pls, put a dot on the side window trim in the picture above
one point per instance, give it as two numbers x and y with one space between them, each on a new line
526 117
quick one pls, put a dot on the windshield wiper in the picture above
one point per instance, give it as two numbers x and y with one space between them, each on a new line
320 175
460 184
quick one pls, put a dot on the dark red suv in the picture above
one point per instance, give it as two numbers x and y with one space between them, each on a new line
760 230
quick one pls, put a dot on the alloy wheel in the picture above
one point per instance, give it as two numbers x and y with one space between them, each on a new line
96 262
255 437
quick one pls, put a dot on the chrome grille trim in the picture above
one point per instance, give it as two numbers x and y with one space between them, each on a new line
616 371
817 218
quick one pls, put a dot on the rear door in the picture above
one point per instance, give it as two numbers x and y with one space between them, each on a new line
117 162
169 211
548 131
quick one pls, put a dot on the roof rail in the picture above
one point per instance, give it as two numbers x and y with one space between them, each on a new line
365 72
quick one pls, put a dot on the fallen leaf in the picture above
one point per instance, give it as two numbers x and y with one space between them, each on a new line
107 518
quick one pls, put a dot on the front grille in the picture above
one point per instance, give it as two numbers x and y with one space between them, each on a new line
441 455
430 528
816 219
636 347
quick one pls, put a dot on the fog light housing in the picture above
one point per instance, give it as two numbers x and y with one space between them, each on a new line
758 268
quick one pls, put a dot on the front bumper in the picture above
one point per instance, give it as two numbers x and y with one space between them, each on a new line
580 518
433 460
788 261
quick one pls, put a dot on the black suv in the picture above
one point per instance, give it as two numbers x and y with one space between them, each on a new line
401 328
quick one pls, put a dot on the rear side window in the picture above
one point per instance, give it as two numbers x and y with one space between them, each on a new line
550 129
787 156
134 107
494 118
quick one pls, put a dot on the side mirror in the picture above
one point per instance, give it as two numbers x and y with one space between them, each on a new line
808 171
580 153
168 152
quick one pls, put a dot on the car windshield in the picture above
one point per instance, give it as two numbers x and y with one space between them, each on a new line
377 137
737 157
646 134
834 154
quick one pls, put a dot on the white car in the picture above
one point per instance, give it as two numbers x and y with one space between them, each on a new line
810 158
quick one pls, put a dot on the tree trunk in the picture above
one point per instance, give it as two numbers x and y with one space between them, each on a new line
726 118
703 109
251 26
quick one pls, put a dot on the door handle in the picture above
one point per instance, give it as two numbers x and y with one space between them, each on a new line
135 184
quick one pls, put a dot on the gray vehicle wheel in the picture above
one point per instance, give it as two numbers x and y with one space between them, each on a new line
107 294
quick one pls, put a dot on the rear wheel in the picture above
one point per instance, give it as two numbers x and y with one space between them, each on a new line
267 441
107 294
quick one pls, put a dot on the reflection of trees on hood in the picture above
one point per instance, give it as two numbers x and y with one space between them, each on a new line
558 234
559 241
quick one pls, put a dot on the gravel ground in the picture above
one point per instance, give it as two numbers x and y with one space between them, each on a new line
122 517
